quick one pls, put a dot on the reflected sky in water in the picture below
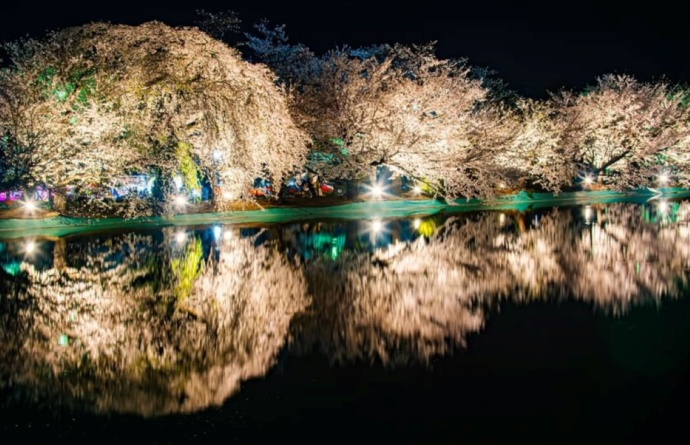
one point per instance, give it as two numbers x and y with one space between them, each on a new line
173 320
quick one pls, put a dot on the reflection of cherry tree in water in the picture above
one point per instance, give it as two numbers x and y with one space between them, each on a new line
163 322
411 301
103 333
403 303
621 259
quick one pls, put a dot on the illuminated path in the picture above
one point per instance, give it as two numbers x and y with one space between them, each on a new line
61 226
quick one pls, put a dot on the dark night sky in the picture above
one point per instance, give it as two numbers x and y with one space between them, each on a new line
533 47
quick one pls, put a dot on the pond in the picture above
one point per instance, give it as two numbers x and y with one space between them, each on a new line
559 323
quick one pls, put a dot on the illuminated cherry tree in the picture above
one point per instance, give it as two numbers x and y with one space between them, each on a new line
534 154
625 133
91 103
402 107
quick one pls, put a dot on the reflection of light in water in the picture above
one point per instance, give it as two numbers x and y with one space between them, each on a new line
376 226
663 178
663 207
417 222
588 213
30 247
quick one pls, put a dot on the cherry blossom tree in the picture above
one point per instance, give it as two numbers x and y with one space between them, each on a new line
624 132
534 154
94 102
402 107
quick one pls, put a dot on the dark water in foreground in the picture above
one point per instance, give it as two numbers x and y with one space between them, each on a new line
563 325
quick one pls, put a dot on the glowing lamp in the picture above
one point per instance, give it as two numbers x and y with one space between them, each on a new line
30 247
29 206
180 201
588 180
376 191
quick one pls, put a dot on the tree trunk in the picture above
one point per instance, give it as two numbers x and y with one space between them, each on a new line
59 199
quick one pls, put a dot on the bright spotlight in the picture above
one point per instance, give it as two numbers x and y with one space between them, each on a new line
377 191
180 237
180 201
30 247
29 205
588 179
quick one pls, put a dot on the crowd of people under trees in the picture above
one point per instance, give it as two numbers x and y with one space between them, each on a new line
84 107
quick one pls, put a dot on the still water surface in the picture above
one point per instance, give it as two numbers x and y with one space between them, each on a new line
559 323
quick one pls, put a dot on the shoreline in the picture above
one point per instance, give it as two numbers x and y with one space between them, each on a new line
52 224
